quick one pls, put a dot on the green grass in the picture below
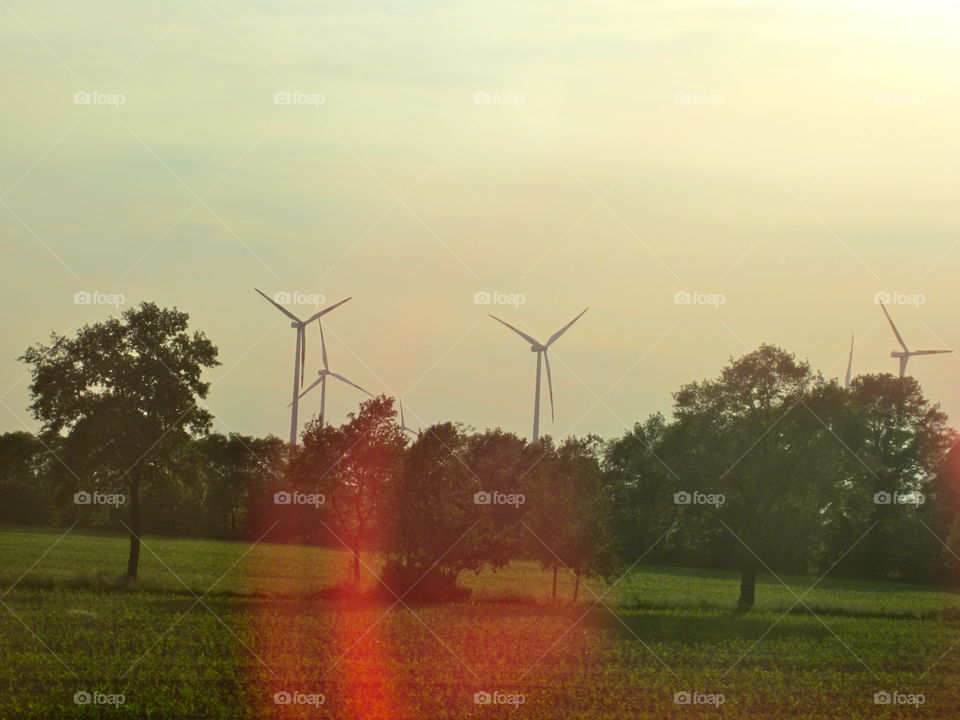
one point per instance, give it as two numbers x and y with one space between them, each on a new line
66 627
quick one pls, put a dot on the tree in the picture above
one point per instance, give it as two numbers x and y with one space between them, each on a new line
875 518
435 520
565 506
25 496
754 437
354 466
120 398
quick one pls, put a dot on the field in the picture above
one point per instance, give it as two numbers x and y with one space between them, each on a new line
218 629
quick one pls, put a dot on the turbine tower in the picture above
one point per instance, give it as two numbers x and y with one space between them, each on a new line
300 353
324 374
542 359
905 356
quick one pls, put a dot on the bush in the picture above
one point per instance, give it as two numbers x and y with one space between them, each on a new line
408 581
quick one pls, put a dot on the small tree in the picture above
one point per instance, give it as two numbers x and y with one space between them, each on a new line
120 399
354 467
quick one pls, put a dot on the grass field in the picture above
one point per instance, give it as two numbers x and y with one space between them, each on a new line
217 629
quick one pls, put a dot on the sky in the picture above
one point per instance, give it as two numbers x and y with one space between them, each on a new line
704 176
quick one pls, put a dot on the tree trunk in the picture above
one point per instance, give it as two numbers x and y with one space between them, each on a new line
748 584
133 560
356 565
553 595
576 587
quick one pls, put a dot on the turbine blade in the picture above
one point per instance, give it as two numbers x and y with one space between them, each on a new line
323 346
278 306
903 365
930 352
849 364
349 382
895 331
403 423
518 332
325 311
311 387
566 327
546 359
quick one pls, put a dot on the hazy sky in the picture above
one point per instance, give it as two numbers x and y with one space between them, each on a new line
789 158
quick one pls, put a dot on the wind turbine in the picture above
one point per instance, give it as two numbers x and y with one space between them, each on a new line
299 354
907 353
403 423
324 374
542 359
849 365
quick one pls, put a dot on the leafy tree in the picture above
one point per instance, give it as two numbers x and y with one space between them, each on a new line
565 506
896 438
753 436
435 523
120 398
25 496
354 467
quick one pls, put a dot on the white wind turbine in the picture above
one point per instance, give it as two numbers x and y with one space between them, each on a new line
541 350
907 353
300 354
322 376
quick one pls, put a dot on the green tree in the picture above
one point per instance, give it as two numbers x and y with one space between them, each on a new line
754 435
120 399
25 495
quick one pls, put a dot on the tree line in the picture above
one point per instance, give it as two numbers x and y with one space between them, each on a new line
769 466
